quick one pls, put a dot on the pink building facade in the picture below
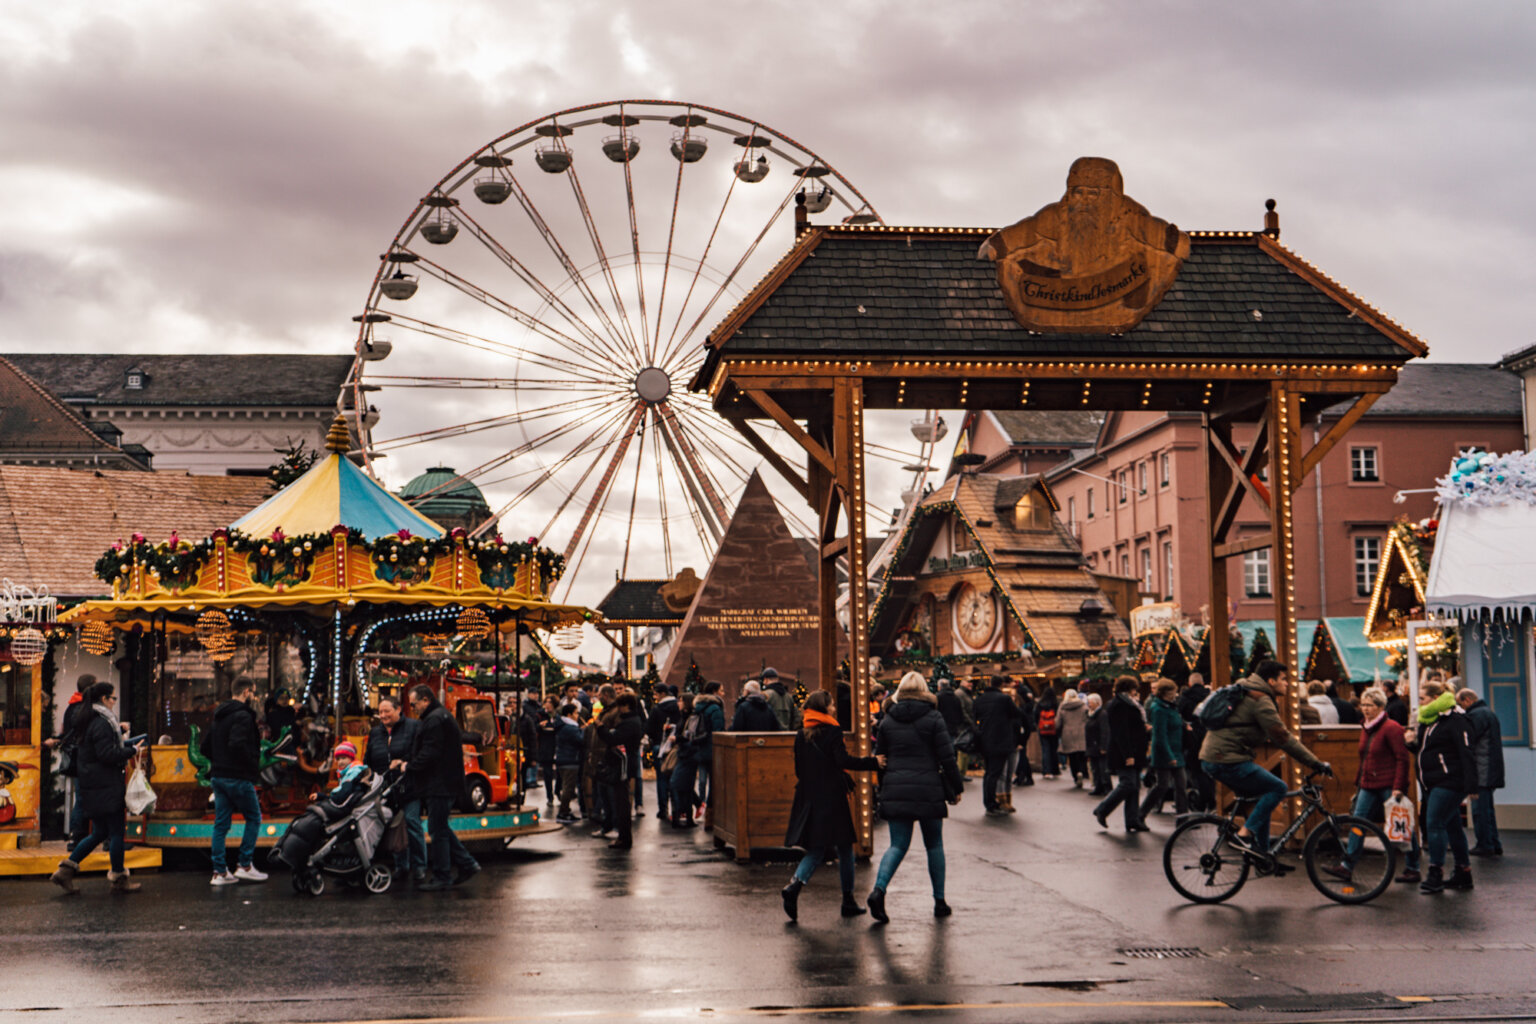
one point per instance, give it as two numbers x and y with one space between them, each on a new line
1136 501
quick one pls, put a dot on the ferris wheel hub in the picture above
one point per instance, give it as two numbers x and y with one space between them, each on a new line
653 385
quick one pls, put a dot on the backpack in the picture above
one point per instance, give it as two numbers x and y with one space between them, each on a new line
1214 711
1048 722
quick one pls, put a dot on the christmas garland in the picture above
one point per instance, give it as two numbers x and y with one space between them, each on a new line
1488 480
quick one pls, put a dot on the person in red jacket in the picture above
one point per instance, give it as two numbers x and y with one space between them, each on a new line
1383 773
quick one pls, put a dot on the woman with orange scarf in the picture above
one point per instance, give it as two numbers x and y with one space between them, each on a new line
820 818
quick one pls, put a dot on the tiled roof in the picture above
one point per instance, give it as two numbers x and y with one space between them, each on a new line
35 424
201 380
918 291
1451 389
637 601
1070 427
55 523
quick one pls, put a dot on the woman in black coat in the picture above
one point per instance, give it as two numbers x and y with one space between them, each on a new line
621 729
920 778
100 786
820 818
1447 773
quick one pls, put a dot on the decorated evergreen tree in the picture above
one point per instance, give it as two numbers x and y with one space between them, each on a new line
646 686
294 462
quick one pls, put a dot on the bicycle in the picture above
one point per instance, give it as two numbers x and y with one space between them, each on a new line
1204 866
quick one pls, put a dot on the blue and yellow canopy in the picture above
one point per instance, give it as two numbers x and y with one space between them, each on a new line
335 493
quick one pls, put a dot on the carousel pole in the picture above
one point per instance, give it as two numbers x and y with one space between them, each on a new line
336 674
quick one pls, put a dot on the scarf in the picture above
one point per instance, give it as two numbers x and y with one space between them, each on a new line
811 718
110 716
1373 723
1437 707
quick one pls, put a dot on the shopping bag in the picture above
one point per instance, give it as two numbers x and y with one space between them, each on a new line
1400 820
140 798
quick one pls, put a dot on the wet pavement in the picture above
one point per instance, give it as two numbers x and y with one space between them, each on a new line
1054 920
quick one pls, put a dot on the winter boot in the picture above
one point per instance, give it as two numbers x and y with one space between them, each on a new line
851 907
1461 878
791 896
876 903
942 909
121 883
64 877
1008 803
1433 882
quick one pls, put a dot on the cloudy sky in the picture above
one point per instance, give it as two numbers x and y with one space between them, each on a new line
189 176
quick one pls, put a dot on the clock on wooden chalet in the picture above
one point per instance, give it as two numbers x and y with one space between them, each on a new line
975 615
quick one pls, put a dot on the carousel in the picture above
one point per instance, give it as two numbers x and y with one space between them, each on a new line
312 593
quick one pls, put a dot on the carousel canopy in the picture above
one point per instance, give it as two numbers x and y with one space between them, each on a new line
335 492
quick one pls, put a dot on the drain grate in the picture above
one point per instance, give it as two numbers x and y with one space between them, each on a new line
1313 1003
1163 952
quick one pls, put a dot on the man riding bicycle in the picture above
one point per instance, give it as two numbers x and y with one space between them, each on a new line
1227 754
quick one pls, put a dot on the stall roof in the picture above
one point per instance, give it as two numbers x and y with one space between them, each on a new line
1361 660
335 492
1483 563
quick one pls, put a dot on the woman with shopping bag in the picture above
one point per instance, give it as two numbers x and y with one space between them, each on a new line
1380 782
102 753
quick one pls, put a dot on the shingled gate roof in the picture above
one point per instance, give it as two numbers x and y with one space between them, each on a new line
905 292
55 523
270 379
635 602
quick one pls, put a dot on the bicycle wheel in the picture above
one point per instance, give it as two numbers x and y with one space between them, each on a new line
1200 865
1375 863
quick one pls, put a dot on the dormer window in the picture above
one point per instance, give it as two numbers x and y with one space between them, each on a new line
1032 512
135 379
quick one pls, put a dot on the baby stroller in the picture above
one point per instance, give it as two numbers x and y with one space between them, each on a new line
346 840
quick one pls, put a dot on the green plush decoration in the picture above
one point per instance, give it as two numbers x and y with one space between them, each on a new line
203 765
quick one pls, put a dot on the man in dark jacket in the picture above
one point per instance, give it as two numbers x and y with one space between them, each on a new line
778 698
392 742
665 713
1397 702
1127 754
1190 697
621 729
435 773
1486 734
234 754
997 729
752 712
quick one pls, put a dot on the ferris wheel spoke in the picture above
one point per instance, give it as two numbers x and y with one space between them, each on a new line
595 359
479 383
634 492
604 485
661 494
603 263
634 242
573 272
666 265
605 433
676 344
553 364
525 274
702 513
579 405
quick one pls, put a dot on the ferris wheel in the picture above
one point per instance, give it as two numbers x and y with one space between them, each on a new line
542 311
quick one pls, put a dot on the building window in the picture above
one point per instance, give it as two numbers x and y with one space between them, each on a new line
135 380
1072 514
1146 570
1367 558
1120 479
1362 465
1163 470
1125 565
1168 568
1091 492
1256 573
1141 477
960 537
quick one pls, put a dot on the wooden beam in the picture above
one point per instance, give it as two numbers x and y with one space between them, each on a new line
1218 483
1242 479
1317 377
835 549
793 429
772 457
1335 434
1242 547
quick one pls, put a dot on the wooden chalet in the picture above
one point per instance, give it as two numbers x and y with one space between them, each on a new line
986 572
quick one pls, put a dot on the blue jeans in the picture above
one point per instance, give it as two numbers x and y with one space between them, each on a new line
684 796
551 781
1368 802
901 838
108 829
446 851
229 796
1127 789
1048 764
1442 825
1247 779
814 855
1484 826
414 856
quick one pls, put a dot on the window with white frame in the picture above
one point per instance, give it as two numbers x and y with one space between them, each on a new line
1125 564
1363 468
1146 569
1091 492
1168 568
1256 573
1141 477
1072 514
1367 558
1121 481
1164 470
